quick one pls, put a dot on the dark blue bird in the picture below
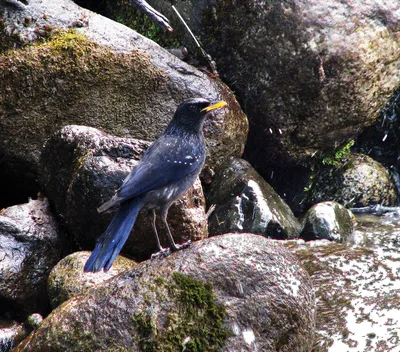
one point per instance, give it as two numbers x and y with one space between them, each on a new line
165 172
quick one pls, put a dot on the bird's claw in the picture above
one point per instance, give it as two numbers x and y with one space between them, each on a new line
162 253
184 245
165 252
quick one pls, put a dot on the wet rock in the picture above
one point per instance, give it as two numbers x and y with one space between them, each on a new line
244 202
81 167
30 245
11 334
101 74
328 220
67 278
33 321
357 290
237 292
358 182
308 76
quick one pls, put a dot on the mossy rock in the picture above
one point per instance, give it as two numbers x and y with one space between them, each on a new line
221 294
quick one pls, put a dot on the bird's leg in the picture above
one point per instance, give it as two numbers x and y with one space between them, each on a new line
161 251
174 246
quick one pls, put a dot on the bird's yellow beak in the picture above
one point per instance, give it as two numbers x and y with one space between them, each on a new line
220 104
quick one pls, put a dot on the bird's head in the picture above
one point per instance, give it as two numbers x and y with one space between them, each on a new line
191 112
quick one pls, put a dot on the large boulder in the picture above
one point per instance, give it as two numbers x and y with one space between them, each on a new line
309 74
82 167
30 245
357 181
244 202
77 67
237 292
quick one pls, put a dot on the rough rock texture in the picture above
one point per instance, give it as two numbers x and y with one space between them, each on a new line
238 292
328 220
357 291
67 278
244 202
101 74
309 74
30 245
11 334
81 167
358 182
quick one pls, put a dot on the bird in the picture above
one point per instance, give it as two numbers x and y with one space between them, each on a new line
164 173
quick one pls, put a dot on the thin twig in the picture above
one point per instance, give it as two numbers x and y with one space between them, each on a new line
207 56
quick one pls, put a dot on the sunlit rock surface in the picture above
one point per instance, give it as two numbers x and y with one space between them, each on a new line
11 333
244 202
328 220
357 289
30 244
68 279
236 292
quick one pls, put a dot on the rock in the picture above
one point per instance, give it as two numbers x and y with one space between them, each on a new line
77 67
357 293
380 141
11 334
309 75
328 220
244 202
30 245
34 320
81 167
237 292
358 182
67 278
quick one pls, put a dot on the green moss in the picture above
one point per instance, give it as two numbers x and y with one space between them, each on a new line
52 82
145 329
70 44
197 326
160 280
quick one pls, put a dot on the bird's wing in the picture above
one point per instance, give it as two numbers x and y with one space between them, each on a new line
166 161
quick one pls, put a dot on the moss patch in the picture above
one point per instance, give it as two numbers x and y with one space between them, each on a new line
68 79
196 326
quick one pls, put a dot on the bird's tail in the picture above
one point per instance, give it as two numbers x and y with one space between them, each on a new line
112 240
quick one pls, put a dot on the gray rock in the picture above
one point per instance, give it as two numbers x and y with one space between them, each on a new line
309 74
244 202
30 245
101 74
238 292
357 182
67 278
328 220
81 167
11 334
33 321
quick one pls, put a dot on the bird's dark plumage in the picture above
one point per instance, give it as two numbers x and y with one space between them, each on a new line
166 171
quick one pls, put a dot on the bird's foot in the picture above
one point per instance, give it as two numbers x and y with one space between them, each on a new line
184 245
162 253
